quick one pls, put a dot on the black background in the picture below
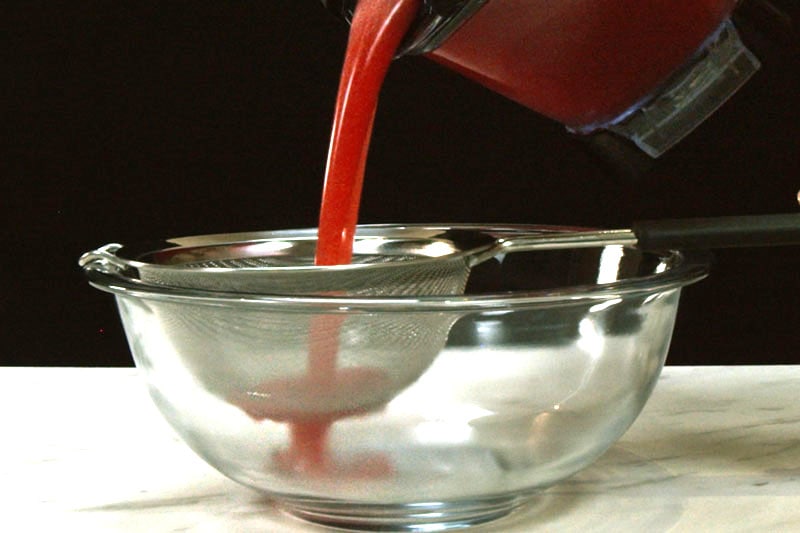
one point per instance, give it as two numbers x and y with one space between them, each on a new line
129 121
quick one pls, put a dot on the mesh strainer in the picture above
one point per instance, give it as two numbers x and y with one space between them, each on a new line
387 261
227 345
399 260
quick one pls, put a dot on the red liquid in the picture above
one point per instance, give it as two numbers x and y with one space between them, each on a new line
581 62
377 29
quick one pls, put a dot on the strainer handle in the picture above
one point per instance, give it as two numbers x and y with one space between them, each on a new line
685 234
719 232
561 240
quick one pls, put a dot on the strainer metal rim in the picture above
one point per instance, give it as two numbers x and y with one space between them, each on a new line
687 268
130 254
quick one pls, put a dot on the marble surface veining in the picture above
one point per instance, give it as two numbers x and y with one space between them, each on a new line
716 449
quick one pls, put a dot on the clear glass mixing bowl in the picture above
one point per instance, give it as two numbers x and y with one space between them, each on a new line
414 413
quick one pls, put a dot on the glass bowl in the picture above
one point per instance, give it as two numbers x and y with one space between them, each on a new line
411 412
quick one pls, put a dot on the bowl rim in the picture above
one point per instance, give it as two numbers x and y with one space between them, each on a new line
685 268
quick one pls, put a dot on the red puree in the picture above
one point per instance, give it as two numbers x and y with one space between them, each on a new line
580 62
310 403
377 29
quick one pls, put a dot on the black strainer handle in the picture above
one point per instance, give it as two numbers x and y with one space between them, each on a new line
719 232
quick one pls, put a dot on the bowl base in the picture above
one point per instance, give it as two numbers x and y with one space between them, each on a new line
424 516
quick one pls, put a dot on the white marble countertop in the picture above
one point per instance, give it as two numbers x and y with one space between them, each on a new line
716 449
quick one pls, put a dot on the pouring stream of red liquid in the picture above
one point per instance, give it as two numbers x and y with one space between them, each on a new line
377 29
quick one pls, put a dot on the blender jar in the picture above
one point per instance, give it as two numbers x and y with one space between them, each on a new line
648 71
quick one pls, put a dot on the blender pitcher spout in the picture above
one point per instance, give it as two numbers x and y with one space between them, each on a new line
436 21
